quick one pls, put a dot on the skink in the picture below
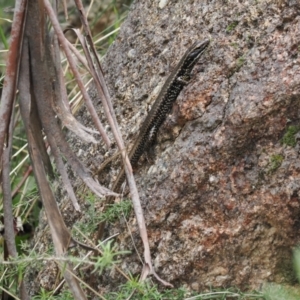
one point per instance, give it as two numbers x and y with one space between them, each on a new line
163 105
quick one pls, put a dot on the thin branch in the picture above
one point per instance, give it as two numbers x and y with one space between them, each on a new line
9 233
7 292
20 184
60 234
60 285
12 66
76 52
61 105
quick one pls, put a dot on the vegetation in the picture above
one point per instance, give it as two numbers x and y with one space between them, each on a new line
142 290
278 292
26 206
275 162
231 26
289 137
240 61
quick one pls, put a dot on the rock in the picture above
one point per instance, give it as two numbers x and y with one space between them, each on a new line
216 187
221 195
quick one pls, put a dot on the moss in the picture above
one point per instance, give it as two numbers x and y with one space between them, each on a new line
240 61
289 137
231 26
275 162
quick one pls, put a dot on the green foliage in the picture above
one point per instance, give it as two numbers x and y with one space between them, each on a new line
296 262
45 295
108 257
275 162
148 291
289 137
16 266
65 295
3 38
114 211
90 223
145 291
5 23
280 292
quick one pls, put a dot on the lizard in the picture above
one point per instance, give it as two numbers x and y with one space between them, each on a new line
162 106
